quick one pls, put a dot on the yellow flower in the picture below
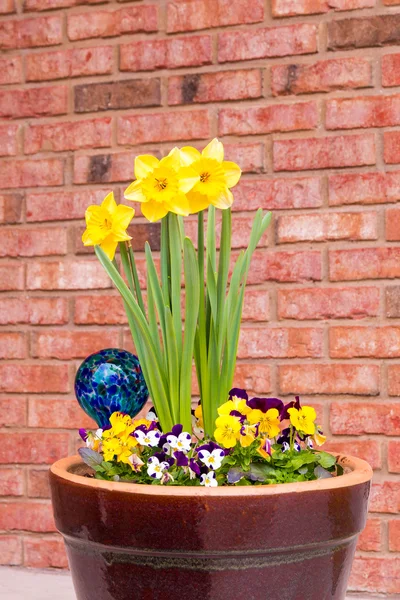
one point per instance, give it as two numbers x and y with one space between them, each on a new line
247 435
319 438
228 431
161 185
303 419
269 422
238 404
216 176
111 447
198 413
106 225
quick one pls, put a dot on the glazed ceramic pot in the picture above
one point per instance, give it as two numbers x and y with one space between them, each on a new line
291 541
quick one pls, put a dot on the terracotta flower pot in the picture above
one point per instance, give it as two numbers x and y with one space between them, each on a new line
142 542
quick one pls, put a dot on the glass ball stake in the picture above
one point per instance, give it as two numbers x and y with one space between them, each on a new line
108 381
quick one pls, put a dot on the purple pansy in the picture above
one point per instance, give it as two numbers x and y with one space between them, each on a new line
265 404
238 393
293 404
84 434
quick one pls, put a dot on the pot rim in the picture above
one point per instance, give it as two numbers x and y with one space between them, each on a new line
360 472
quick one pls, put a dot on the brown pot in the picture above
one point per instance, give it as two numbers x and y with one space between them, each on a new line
292 541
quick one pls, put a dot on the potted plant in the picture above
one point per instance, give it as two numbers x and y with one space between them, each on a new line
229 498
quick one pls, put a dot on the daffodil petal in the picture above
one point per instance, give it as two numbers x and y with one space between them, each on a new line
187 179
144 165
232 173
109 203
86 239
153 211
215 150
94 214
189 155
134 192
120 234
109 245
179 205
123 215
223 200
197 202
172 160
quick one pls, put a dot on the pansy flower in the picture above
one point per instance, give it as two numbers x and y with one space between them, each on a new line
208 479
92 439
183 461
265 449
228 430
248 434
213 459
147 438
236 407
265 404
293 404
268 422
303 419
319 438
284 440
238 394
155 468
181 441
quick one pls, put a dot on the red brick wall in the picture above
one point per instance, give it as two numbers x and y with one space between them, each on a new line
306 96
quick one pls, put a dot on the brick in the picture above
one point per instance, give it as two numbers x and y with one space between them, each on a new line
394 380
12 411
394 456
38 483
9 143
364 263
11 482
33 310
394 536
280 343
254 377
149 55
278 194
33 378
241 231
101 23
45 553
66 414
99 310
11 277
366 449
190 15
390 66
285 267
33 242
10 550
61 206
72 344
7 6
37 5
12 345
324 153
74 62
267 119
82 275
368 111
328 226
104 168
322 76
328 303
248 156
11 208
370 539
33 447
392 224
364 188
30 33
62 136
292 40
163 127
354 418
129 93
285 8
32 173
256 306
140 232
357 342
362 32
214 87
355 379
385 497
28 516
391 2
391 141
34 102
10 70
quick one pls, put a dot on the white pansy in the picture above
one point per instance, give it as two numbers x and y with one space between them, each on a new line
181 442
212 460
208 479
150 438
151 416
155 468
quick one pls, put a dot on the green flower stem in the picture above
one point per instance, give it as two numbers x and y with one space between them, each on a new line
133 268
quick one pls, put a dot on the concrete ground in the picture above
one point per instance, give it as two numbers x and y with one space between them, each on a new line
30 584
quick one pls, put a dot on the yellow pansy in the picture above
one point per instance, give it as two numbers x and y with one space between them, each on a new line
319 438
198 413
111 447
247 435
303 419
269 422
216 176
106 225
228 431
238 404
161 185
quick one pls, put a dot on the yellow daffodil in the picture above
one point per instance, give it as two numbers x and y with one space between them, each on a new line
269 422
228 431
161 185
237 404
216 176
106 225
303 419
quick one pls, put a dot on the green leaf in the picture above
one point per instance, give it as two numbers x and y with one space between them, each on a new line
90 457
176 278
325 459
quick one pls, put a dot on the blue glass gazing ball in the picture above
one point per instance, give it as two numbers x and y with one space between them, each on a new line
108 381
